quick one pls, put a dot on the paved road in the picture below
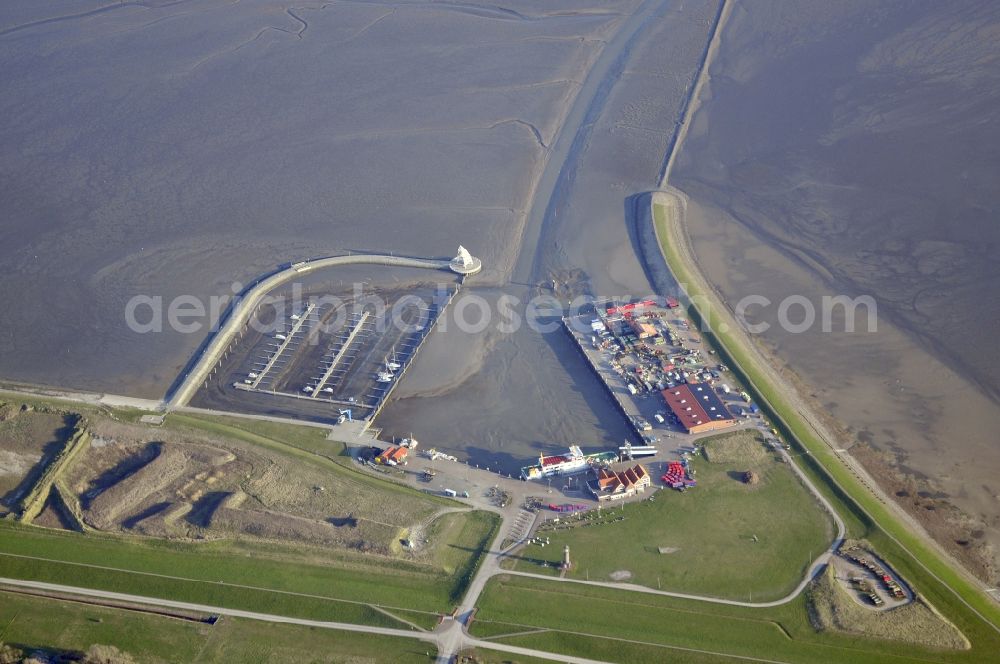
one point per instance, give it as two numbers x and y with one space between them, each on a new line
679 239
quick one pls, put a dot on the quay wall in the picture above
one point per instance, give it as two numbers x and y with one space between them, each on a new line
578 344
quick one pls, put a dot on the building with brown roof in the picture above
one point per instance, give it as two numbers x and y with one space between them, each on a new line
392 456
698 408
643 330
615 485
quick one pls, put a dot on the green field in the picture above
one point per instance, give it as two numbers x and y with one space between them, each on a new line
487 656
304 442
32 623
712 527
290 579
864 514
738 449
612 625
295 581
463 533
586 621
947 588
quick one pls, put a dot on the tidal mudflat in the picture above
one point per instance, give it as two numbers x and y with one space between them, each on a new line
847 149
174 148
505 397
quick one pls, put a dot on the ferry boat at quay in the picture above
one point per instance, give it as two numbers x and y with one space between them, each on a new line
574 461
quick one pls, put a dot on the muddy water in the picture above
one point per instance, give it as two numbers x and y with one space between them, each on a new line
843 149
516 393
173 148
503 397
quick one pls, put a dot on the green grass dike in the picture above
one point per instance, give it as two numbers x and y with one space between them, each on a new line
950 590
615 625
64 628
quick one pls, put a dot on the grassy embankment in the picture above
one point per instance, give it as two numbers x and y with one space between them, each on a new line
304 442
864 513
620 626
44 403
834 608
711 529
625 627
34 502
283 579
32 441
57 626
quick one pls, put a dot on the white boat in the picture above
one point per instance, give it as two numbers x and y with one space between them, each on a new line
559 464
566 464
384 376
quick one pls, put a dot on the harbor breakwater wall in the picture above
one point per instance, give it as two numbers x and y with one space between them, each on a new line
239 312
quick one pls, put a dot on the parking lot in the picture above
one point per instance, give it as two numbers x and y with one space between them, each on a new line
642 348
326 358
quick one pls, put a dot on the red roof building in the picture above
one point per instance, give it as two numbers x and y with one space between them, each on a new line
615 485
392 456
698 408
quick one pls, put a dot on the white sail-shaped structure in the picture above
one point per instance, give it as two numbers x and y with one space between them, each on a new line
465 263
